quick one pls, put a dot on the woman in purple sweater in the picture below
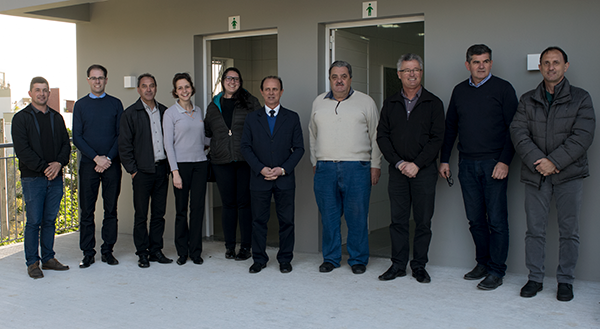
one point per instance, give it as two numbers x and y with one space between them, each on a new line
185 142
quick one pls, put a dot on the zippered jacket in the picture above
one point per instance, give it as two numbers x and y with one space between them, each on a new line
225 142
561 132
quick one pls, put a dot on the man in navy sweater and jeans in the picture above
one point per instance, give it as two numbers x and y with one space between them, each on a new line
480 112
96 119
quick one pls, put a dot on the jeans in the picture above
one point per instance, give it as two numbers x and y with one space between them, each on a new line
344 188
90 181
486 207
42 202
568 207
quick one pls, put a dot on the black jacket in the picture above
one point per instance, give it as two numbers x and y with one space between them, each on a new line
417 139
225 145
135 138
28 146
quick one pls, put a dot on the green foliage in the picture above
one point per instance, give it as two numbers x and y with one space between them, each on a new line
67 219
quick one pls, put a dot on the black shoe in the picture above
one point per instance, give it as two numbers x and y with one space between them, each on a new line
326 267
257 267
160 257
490 282
565 292
109 259
358 269
421 275
181 260
86 261
479 272
230 253
285 267
243 254
143 261
198 260
392 273
531 288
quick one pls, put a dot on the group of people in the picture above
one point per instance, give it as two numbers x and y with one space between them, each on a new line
254 150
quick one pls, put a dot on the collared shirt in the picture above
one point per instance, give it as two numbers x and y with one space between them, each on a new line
92 96
276 109
330 95
271 119
157 136
481 83
410 103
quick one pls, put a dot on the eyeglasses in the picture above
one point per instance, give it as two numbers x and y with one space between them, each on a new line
407 71
449 179
96 78
230 78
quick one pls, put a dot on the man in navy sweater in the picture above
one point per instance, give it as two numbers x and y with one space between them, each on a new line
480 112
96 119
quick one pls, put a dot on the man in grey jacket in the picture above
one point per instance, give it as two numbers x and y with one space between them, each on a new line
552 130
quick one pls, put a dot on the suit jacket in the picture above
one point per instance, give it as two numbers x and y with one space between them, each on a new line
282 149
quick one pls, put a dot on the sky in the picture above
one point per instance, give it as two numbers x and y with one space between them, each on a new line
33 47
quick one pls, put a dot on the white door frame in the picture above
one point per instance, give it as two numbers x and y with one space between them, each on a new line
330 42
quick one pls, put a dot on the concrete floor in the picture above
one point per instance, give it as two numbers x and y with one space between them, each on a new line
222 294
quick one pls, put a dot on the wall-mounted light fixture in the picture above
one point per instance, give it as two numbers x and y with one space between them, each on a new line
533 60
130 82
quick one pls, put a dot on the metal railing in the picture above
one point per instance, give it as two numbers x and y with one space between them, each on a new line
12 204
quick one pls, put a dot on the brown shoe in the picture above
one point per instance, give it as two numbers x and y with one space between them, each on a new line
34 271
54 264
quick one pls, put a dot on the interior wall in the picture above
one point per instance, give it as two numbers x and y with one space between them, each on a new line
131 37
255 57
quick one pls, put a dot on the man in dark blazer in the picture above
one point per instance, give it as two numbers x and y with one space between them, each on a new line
272 144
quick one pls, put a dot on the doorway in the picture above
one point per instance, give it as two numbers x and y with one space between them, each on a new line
255 55
373 51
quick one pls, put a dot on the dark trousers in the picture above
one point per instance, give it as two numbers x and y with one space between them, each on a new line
233 180
261 211
188 239
148 186
487 211
89 183
418 192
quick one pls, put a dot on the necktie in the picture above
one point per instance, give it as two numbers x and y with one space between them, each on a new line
272 113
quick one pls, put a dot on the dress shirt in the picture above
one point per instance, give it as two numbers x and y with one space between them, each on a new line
157 135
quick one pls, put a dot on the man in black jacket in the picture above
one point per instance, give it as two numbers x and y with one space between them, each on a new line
41 143
143 156
410 134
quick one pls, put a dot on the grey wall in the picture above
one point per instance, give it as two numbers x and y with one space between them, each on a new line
134 36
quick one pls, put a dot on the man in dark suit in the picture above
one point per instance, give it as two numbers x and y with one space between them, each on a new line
272 144
143 156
